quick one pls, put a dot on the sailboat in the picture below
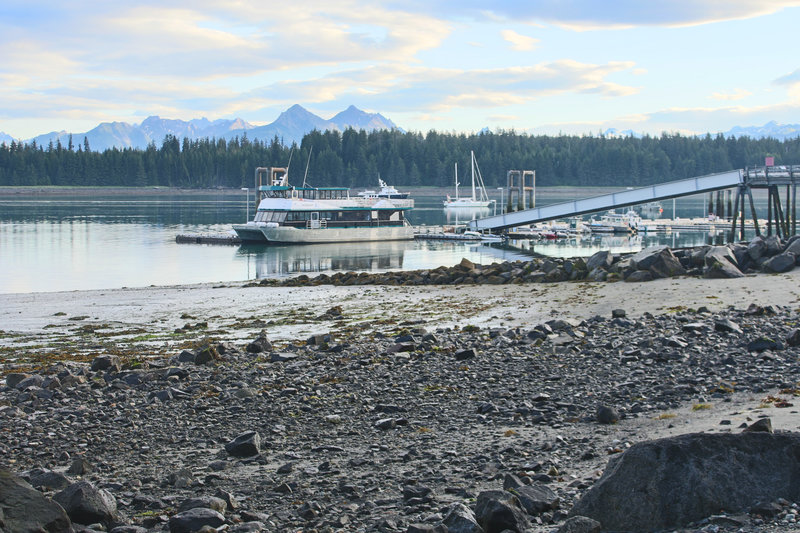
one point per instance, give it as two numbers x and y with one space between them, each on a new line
479 198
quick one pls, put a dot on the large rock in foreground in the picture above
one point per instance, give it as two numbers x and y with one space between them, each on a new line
23 508
671 482
86 504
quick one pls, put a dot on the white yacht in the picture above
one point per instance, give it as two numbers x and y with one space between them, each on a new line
304 215
386 191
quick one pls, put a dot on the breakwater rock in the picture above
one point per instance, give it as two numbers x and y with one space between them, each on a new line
768 255
380 427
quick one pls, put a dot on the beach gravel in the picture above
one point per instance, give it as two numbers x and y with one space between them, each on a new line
402 416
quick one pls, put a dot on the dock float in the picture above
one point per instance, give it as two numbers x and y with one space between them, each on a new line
447 237
206 238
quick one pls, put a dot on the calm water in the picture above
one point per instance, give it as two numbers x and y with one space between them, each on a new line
70 242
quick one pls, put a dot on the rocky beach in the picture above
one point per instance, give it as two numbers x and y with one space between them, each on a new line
475 398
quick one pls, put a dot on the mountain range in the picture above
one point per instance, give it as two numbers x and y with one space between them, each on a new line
289 127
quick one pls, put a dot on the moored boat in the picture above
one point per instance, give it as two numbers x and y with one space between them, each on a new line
305 215
478 199
386 191
613 222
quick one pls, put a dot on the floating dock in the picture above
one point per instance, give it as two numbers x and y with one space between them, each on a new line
444 233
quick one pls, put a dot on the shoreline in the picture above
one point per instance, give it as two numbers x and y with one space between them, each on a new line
87 190
519 305
233 311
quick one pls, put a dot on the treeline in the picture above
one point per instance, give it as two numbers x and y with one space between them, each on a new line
356 159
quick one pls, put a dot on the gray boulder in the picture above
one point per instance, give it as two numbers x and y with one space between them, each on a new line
86 504
757 248
794 248
260 345
639 275
194 520
671 482
580 524
461 519
793 339
780 263
659 261
207 502
15 378
774 245
537 498
105 362
49 480
720 263
206 354
607 415
499 510
247 444
25 509
602 259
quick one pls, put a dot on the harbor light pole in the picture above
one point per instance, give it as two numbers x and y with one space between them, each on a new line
247 199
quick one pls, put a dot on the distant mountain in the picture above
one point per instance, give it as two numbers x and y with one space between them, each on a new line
352 117
614 132
770 129
5 138
289 127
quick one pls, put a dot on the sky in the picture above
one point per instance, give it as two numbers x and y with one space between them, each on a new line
535 66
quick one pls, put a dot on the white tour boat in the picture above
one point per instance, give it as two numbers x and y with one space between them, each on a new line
305 215
479 198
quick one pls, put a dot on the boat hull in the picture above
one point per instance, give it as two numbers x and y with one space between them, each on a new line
290 235
249 233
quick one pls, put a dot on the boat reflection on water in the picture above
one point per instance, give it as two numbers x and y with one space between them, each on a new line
463 215
274 261
587 245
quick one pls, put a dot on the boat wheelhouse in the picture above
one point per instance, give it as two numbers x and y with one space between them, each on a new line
301 215
386 191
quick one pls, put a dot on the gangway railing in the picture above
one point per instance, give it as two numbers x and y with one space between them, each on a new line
641 195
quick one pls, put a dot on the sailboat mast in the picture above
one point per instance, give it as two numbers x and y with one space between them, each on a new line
456 176
472 159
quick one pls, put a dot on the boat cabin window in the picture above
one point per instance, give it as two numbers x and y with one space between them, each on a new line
275 194
270 216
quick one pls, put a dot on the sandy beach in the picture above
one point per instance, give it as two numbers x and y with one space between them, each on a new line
160 309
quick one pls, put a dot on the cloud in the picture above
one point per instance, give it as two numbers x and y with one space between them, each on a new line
188 57
503 118
696 120
789 79
591 14
737 94
519 42
427 90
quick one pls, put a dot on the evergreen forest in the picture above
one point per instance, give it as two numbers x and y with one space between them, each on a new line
357 158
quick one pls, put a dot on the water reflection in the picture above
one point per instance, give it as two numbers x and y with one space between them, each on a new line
271 261
584 245
68 242
462 215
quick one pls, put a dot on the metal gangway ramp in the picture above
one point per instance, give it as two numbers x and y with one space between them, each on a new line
641 195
